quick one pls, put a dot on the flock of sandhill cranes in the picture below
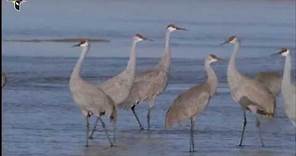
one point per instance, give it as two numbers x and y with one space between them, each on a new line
129 88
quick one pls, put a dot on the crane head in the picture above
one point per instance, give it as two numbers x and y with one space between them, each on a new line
172 27
139 38
213 58
82 43
284 52
231 40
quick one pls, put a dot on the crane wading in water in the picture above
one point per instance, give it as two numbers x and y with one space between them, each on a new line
90 99
288 87
193 101
151 83
119 86
249 93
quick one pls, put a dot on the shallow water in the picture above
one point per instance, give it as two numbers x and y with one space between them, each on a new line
39 117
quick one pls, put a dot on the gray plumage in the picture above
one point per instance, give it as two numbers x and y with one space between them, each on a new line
119 86
288 87
90 99
193 101
271 80
249 93
151 83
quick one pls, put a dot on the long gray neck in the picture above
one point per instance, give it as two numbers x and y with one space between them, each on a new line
232 63
165 61
287 70
131 66
76 70
212 80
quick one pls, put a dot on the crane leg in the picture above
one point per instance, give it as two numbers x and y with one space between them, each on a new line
259 131
191 147
114 132
151 104
136 116
94 129
106 132
148 118
87 130
243 131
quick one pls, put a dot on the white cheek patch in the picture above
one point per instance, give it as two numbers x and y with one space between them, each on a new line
212 60
233 41
84 44
171 29
285 53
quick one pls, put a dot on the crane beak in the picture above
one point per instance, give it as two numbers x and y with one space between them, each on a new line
220 59
180 28
147 39
277 53
76 45
222 44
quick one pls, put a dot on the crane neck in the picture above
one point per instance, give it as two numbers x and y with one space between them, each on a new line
212 80
131 65
165 61
232 62
76 70
287 70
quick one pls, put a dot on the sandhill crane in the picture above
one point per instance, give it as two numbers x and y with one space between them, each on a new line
249 93
288 87
119 86
151 83
193 101
3 79
90 99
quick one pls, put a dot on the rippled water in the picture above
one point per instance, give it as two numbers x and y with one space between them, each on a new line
40 117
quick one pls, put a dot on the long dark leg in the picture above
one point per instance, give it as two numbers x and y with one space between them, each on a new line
94 129
148 118
151 104
191 147
106 132
243 131
259 131
87 130
114 132
136 116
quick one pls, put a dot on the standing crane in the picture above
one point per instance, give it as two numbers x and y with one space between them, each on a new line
288 87
119 86
193 101
151 83
90 99
252 95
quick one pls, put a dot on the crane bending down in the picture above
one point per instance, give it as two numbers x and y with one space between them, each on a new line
90 99
151 83
288 87
193 101
249 93
119 86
